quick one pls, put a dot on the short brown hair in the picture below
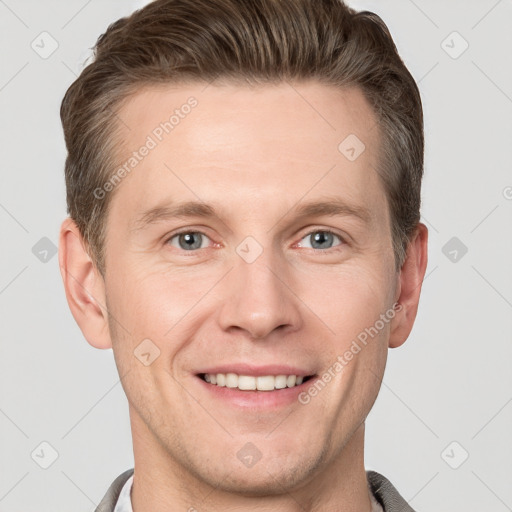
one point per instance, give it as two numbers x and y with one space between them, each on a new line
260 41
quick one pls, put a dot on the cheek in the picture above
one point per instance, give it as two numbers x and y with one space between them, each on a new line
153 313
140 353
352 300
151 303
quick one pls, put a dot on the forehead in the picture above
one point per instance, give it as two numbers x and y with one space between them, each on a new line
308 111
224 142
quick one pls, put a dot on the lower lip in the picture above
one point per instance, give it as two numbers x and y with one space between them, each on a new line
256 399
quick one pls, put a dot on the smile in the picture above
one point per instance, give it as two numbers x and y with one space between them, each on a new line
254 383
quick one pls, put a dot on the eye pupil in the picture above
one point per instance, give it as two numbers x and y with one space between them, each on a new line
188 238
321 237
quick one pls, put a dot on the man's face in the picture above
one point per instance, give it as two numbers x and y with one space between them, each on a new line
258 289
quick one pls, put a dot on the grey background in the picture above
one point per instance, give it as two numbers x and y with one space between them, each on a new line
451 381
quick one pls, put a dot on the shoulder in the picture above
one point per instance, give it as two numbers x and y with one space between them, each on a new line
386 494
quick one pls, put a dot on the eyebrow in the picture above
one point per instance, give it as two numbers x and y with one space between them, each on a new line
329 207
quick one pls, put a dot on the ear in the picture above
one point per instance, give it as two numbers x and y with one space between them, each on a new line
410 280
84 286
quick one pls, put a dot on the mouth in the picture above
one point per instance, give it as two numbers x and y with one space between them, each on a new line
254 383
261 389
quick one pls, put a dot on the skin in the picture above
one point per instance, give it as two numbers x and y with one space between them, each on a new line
255 154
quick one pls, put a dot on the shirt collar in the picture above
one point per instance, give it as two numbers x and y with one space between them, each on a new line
124 502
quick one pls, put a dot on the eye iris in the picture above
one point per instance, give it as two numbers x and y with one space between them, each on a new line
188 238
321 237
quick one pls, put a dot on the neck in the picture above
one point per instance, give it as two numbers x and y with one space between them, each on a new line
161 484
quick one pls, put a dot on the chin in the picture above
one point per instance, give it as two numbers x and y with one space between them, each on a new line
269 476
260 483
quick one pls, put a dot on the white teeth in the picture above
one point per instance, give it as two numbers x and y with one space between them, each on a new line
231 380
280 381
251 383
246 383
266 383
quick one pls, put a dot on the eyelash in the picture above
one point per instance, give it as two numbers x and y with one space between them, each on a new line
188 230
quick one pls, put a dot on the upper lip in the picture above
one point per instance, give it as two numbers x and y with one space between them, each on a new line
257 371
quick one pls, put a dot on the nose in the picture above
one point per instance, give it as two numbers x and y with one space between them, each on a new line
258 297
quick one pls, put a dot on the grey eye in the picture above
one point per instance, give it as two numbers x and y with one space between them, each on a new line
321 239
188 241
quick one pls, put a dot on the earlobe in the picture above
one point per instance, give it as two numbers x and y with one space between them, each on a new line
411 278
84 286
